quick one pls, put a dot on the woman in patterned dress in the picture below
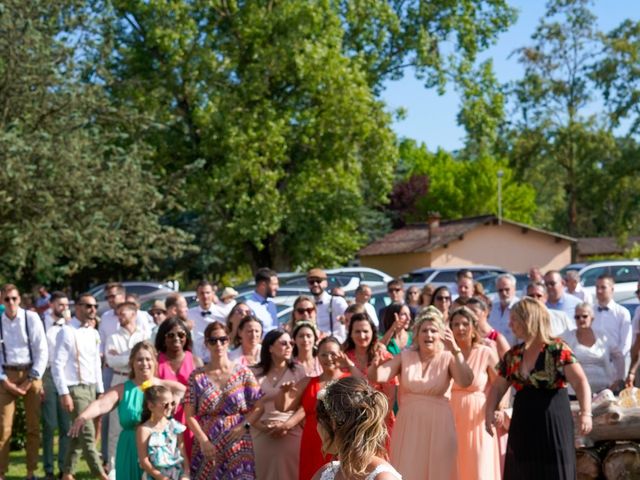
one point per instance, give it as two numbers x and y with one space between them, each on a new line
220 406
541 443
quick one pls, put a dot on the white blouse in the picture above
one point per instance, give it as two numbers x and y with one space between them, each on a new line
595 360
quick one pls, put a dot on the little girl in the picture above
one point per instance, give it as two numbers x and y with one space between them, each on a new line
159 439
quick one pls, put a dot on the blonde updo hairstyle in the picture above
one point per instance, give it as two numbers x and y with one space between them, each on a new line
352 413
470 315
428 314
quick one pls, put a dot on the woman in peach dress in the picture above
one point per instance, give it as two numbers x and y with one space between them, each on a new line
423 443
478 452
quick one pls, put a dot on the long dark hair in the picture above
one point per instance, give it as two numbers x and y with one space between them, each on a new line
390 317
349 344
299 326
151 395
265 363
165 327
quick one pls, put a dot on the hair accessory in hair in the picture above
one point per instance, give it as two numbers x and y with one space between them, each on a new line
146 384
306 323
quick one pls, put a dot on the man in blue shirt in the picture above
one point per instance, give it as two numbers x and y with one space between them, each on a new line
261 300
559 299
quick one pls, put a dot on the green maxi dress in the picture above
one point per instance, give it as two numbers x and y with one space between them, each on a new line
129 410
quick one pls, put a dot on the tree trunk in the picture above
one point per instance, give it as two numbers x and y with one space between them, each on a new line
589 464
622 462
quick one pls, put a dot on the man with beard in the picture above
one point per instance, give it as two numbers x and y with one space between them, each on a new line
261 300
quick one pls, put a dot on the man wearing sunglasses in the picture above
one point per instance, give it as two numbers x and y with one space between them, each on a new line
329 308
23 359
77 377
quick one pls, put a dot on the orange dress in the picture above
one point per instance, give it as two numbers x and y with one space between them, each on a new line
423 443
478 452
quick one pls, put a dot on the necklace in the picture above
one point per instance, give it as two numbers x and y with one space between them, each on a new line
277 375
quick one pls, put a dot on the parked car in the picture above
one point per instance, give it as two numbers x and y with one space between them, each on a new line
139 288
626 274
447 275
347 278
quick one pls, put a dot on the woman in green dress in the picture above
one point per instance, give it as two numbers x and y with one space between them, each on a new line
128 397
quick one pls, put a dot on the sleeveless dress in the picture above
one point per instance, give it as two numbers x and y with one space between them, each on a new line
129 412
541 443
277 458
165 372
332 469
478 453
218 411
163 451
311 456
390 420
423 443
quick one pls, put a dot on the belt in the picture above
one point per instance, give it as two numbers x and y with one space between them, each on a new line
18 368
124 374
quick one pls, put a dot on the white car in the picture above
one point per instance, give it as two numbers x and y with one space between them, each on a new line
626 274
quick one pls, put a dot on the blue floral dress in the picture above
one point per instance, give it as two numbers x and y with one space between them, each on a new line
163 450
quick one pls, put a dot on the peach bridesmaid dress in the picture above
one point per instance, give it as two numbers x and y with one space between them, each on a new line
478 452
423 443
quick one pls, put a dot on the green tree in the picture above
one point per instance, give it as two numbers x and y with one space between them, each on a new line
460 188
268 110
557 144
77 194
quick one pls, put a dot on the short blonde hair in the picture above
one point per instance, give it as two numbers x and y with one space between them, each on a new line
535 317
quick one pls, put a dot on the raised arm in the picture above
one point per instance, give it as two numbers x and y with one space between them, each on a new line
381 370
290 395
102 405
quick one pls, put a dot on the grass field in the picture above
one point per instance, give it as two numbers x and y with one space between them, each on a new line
18 467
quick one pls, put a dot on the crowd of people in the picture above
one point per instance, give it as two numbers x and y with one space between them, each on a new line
439 384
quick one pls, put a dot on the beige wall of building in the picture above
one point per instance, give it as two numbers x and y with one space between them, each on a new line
508 246
505 246
396 265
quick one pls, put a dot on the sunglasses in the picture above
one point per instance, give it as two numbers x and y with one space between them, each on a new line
90 305
284 343
312 281
440 298
302 311
578 317
10 299
218 340
180 335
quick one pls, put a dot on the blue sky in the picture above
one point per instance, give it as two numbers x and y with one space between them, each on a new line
432 118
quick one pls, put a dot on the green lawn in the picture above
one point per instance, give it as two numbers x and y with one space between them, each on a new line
18 467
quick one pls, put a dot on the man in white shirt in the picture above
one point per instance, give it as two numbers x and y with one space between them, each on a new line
203 314
363 295
117 351
261 300
329 307
77 376
561 324
54 417
558 298
614 321
574 287
23 360
500 311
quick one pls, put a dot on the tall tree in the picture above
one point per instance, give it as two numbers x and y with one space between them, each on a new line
77 195
269 110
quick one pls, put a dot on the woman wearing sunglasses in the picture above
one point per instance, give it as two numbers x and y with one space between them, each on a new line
304 310
221 404
276 436
176 362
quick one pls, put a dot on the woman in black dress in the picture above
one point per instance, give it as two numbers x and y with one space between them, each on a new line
541 435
